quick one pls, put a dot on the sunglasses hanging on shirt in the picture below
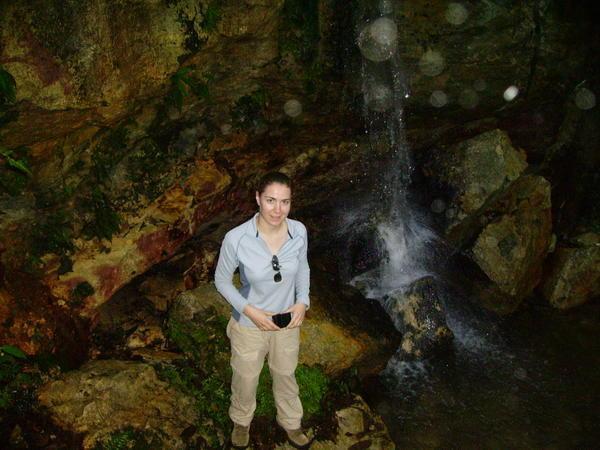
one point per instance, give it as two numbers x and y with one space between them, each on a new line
276 268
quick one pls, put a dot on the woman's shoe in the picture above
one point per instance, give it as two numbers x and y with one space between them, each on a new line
240 436
298 439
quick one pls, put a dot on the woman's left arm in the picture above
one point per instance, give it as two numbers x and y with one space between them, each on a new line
302 286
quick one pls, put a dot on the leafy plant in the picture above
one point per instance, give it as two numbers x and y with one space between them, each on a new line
211 16
183 83
8 87
15 171
130 439
312 383
13 380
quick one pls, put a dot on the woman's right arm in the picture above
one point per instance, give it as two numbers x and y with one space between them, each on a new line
226 265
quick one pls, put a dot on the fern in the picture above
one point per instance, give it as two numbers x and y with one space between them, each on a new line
8 87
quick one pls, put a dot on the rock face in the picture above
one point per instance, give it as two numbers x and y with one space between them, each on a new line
419 315
474 171
574 275
512 249
105 396
497 216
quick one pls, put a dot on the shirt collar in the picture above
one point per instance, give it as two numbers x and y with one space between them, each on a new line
254 227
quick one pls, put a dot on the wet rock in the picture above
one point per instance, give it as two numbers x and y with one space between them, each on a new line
472 173
574 274
105 396
418 313
358 428
511 249
343 329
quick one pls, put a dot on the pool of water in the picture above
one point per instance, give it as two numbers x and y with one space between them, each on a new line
527 381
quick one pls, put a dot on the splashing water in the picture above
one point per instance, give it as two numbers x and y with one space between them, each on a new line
378 40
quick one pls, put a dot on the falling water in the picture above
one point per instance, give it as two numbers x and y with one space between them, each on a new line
406 240
488 392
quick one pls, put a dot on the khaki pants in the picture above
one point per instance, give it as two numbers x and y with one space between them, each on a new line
249 346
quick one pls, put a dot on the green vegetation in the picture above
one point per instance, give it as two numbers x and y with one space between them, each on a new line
16 385
8 88
184 83
313 385
248 110
14 170
130 439
206 374
211 16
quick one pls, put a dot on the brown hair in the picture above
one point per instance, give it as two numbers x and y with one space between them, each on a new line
273 177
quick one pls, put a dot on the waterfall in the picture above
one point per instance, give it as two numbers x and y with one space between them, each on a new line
401 231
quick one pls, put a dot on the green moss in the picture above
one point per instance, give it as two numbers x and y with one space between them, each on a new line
185 82
130 439
312 383
8 87
14 170
211 15
16 384
206 374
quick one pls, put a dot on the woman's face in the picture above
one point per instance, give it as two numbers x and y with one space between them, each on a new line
274 203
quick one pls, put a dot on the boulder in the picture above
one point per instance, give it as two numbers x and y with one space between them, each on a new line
511 249
357 428
574 272
419 314
473 173
109 395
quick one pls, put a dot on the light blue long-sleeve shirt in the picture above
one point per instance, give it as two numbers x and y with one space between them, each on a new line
244 248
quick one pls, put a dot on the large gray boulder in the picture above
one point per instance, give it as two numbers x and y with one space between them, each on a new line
574 276
106 396
511 249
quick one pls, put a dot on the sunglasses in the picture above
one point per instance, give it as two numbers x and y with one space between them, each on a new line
276 268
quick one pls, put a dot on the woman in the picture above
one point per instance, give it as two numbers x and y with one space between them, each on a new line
270 251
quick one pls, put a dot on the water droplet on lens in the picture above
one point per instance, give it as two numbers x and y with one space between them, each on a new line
585 99
292 108
468 98
456 14
438 99
378 40
511 93
432 63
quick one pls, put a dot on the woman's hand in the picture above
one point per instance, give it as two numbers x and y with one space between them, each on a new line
260 318
298 311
